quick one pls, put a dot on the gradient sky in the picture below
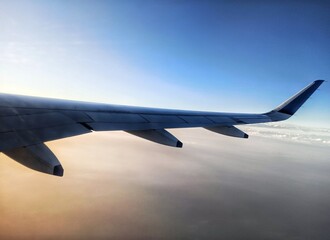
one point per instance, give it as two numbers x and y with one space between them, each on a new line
244 56
241 56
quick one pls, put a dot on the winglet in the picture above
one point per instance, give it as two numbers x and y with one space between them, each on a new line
291 105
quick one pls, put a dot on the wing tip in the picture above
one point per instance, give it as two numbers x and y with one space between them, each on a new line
295 102
319 81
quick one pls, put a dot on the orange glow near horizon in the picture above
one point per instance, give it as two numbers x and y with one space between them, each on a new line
119 186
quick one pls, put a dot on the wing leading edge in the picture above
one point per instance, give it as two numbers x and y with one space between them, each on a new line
27 122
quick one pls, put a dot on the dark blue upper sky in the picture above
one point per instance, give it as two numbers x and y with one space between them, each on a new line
209 55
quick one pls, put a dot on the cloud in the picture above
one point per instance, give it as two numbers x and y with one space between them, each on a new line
292 133
122 187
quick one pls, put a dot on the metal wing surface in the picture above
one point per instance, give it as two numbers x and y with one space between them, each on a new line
27 122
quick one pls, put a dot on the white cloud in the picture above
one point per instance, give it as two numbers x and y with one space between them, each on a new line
290 132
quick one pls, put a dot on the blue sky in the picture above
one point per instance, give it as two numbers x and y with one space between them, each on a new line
242 56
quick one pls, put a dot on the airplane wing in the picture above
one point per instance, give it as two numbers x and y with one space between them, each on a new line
27 122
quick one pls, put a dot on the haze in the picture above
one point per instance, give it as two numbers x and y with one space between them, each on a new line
232 56
120 187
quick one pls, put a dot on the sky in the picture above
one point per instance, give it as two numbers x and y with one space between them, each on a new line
232 56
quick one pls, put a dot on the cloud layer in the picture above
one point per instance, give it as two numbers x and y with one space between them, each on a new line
291 133
122 187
